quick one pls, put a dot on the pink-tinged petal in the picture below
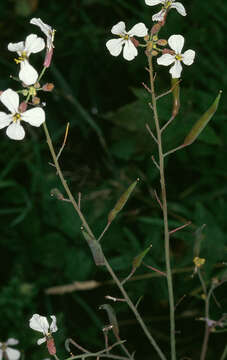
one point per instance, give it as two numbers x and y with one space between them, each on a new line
176 69
12 341
119 28
5 120
27 74
154 2
34 117
176 42
166 59
188 57
129 51
180 8
138 30
159 16
115 46
53 325
41 341
15 131
38 322
12 354
34 44
18 47
10 99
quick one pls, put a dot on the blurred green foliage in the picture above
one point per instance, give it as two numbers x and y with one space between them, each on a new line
107 149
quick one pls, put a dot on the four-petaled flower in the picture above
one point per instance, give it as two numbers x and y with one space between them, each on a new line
40 323
32 44
166 5
15 131
49 32
7 352
126 38
176 43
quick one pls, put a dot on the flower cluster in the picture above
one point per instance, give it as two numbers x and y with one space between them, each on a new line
172 56
29 78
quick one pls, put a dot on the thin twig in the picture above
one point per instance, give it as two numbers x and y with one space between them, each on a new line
154 161
167 123
105 229
157 198
108 297
224 354
151 133
173 150
146 87
168 91
64 141
71 341
180 228
101 353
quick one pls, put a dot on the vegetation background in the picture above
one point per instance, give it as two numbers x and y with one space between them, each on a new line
107 149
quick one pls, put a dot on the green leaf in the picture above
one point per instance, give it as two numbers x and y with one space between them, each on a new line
96 249
121 202
202 122
137 261
112 317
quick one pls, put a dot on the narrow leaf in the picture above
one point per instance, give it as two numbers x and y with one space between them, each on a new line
112 317
137 261
176 96
96 249
202 122
121 202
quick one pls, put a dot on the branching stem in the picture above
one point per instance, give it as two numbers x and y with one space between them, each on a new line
164 211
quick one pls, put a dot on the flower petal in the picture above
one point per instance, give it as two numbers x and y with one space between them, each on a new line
15 131
34 44
129 51
180 8
18 47
176 69
39 323
12 354
53 325
46 29
28 75
5 120
176 42
41 341
159 16
138 30
34 117
166 59
188 57
115 46
119 28
11 100
154 2
12 341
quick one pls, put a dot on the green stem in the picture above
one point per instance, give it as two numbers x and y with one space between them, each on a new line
165 213
86 226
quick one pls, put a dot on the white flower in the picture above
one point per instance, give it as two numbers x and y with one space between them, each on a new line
11 354
32 44
40 323
46 29
15 131
166 5
115 45
176 43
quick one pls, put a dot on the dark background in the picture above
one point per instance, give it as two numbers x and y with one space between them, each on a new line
107 149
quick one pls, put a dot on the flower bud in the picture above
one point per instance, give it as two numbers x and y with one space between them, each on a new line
134 41
48 87
23 106
155 29
162 42
51 346
35 100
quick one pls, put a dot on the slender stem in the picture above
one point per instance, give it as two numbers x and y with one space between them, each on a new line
165 213
85 224
207 311
134 310
224 354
